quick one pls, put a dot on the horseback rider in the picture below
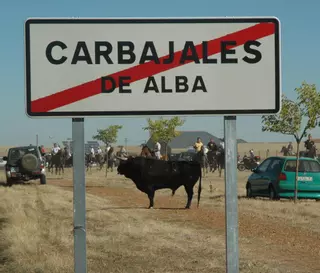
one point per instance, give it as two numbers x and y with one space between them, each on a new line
67 152
308 143
212 146
198 145
290 148
251 155
311 150
157 148
55 149
123 152
99 151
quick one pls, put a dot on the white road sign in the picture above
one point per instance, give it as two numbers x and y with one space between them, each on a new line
154 66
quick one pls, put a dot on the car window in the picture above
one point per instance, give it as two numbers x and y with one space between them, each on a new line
264 165
17 153
275 166
304 166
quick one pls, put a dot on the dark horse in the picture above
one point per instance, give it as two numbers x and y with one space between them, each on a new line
286 151
220 156
147 152
212 160
89 159
110 159
201 157
57 160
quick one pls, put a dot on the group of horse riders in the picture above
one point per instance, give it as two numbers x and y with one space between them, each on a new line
310 149
109 156
211 155
206 155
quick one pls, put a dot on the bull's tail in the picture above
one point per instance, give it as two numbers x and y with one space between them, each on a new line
199 188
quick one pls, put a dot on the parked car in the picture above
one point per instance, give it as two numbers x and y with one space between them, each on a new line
2 163
23 164
275 178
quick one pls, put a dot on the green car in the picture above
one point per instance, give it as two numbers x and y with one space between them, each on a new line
275 178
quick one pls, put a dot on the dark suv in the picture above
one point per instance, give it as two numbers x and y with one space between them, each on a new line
24 164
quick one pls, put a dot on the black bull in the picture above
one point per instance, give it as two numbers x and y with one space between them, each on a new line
151 174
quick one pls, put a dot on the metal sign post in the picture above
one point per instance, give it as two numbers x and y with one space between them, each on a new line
79 196
231 194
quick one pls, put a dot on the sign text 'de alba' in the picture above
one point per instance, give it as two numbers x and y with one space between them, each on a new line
168 66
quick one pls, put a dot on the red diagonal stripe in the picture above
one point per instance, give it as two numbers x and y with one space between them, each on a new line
145 70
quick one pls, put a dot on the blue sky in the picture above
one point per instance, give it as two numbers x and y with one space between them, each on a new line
300 60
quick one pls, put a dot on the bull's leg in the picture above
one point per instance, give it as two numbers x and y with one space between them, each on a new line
189 191
151 198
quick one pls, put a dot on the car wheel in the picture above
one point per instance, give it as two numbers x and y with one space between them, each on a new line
29 162
249 191
43 180
241 167
272 193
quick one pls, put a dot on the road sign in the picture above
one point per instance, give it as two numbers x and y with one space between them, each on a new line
153 66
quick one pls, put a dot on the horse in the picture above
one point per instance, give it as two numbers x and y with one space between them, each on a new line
110 159
147 152
312 152
286 151
220 156
212 160
201 157
57 160
100 159
89 159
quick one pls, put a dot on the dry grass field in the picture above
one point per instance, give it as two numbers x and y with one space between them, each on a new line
123 236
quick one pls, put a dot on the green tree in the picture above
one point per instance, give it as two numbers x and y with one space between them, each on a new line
296 118
108 136
164 129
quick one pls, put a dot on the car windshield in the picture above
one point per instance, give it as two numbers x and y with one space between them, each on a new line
309 166
17 153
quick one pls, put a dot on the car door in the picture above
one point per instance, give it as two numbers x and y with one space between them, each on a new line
257 177
270 176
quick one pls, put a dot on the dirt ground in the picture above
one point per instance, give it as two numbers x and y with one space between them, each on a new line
124 236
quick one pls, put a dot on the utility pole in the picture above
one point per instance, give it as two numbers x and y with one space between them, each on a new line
37 140
126 142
